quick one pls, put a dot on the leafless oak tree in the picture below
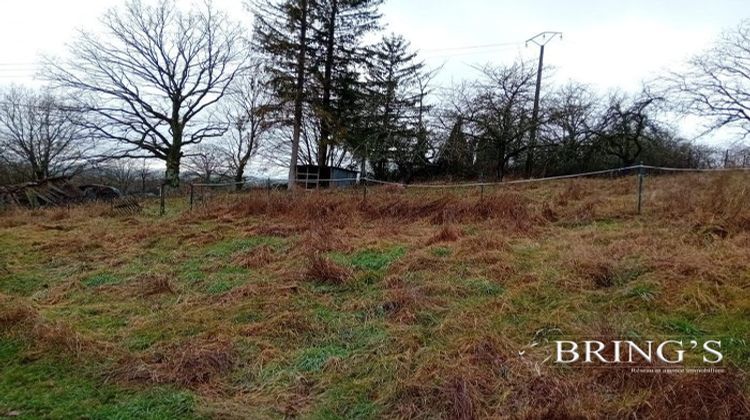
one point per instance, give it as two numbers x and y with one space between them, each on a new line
567 136
252 112
716 83
151 76
503 100
39 132
627 125
206 163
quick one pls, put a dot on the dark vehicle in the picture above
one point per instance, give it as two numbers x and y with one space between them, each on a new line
100 192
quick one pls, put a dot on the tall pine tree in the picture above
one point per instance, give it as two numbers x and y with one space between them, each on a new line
340 26
316 47
282 32
393 99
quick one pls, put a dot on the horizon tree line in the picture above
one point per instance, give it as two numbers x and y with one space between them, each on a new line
307 84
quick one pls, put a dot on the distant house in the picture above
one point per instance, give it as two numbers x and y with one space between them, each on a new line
313 176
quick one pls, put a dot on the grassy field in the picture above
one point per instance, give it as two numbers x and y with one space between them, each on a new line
411 305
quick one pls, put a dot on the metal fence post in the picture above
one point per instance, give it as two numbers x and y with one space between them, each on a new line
640 188
364 191
161 200
192 195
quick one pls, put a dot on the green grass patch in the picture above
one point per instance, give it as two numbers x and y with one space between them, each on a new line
313 359
219 287
733 329
374 259
247 317
646 292
101 279
347 399
484 287
441 251
24 284
191 271
233 246
47 388
683 327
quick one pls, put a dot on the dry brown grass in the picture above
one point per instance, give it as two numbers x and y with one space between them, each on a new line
319 238
195 363
19 319
341 209
574 191
321 269
447 233
268 330
715 204
256 258
152 284
13 312
287 326
403 303
719 396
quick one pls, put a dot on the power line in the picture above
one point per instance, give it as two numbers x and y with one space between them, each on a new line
12 70
19 76
459 49
474 47
469 53
20 64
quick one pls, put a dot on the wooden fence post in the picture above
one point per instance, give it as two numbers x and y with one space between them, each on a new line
640 188
192 195
161 199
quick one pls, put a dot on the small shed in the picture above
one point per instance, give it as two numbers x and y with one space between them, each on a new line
313 176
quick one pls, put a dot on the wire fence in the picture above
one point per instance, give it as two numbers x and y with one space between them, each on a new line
202 193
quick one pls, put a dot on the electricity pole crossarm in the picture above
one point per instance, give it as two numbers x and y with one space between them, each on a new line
541 40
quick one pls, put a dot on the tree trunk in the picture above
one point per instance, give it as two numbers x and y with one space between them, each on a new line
239 176
325 125
172 175
299 96
38 173
174 154
363 170
500 169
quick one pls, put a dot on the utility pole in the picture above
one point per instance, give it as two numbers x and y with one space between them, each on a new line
541 40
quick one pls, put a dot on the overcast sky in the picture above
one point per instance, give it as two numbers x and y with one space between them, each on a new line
606 43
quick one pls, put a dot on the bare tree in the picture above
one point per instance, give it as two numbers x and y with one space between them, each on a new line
206 163
251 111
39 132
716 83
626 125
503 118
150 75
145 176
566 138
120 173
458 150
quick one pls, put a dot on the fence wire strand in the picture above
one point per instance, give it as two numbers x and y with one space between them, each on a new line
476 184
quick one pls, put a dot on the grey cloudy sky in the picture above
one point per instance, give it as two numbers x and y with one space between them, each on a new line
607 44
